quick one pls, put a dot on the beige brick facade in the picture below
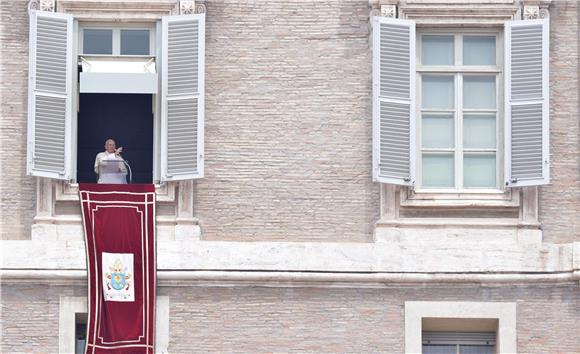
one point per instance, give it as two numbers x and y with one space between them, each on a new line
18 190
288 183
560 201
288 124
244 320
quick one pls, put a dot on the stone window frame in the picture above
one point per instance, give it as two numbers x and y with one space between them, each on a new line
453 15
504 312
70 306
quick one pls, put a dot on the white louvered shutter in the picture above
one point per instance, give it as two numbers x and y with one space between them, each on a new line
182 100
527 103
50 80
393 101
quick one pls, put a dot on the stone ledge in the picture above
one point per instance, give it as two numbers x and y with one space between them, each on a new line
427 231
453 257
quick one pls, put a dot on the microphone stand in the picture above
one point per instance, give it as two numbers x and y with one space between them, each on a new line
126 163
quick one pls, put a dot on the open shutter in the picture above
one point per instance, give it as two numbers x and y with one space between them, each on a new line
50 82
527 103
394 101
182 100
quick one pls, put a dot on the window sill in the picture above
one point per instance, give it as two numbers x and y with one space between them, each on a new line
471 223
481 198
70 192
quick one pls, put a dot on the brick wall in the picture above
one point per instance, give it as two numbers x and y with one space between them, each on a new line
244 319
288 123
17 191
29 318
353 320
560 201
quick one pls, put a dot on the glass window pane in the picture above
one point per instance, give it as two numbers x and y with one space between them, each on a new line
438 170
479 92
437 131
479 50
437 50
437 92
479 170
479 131
135 42
476 349
97 41
439 349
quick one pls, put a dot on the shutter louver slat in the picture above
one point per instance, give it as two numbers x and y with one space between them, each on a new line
182 126
50 94
51 55
527 153
527 103
182 101
393 101
182 50
51 137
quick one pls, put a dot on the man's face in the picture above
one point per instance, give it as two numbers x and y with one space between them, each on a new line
110 146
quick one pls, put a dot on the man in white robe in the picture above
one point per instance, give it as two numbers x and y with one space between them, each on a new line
109 165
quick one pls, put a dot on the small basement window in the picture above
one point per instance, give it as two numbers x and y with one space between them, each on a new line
459 335
458 342
80 332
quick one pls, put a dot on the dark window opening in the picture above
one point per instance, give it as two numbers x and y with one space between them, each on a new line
80 332
127 118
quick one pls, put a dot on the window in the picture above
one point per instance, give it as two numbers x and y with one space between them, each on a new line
452 327
163 60
458 116
80 332
72 324
106 40
97 41
458 342
463 110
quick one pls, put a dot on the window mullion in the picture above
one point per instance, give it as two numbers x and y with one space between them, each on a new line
116 41
459 114
458 133
498 124
81 42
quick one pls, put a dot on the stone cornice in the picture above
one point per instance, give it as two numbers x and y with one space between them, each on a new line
300 279
459 13
127 11
119 10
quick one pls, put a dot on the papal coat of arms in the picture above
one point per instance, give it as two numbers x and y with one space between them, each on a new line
117 269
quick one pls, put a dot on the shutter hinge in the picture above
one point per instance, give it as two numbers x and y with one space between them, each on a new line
511 181
407 179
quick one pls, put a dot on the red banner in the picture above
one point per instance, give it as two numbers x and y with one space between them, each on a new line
119 223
